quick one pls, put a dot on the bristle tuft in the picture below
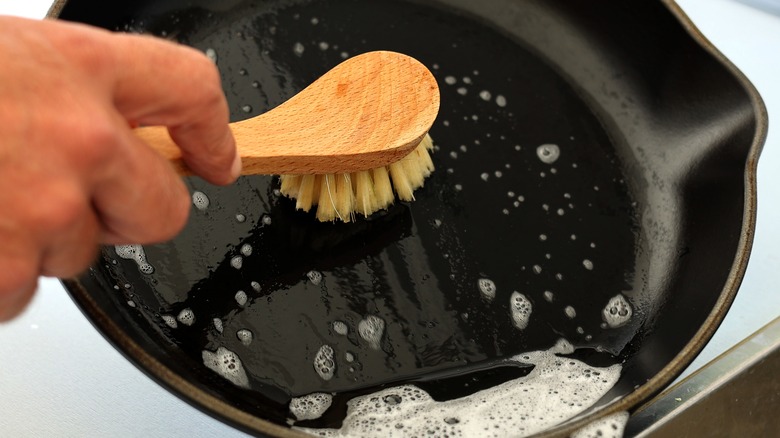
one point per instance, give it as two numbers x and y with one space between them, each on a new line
340 196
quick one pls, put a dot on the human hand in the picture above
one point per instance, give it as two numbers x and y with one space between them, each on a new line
72 174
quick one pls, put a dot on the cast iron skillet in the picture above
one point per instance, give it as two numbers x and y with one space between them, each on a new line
652 198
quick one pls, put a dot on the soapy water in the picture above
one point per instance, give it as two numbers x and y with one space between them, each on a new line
200 200
325 363
487 288
371 330
186 317
340 328
227 364
311 406
617 312
521 308
245 336
557 389
137 254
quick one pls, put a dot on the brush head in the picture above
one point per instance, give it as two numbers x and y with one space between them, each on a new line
341 196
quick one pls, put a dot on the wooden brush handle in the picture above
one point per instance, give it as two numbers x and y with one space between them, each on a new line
367 112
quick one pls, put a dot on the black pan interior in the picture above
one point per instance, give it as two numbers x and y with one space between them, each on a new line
646 200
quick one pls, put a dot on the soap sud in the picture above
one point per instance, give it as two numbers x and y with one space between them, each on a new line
485 95
137 254
349 357
266 220
587 264
186 317
548 296
246 250
311 406
170 321
521 309
211 54
617 312
570 312
450 80
323 45
218 324
324 362
200 200
340 328
557 389
241 298
298 49
227 364
462 91
487 288
611 426
548 153
245 336
255 286
246 108
315 277
371 330
537 269
501 101
240 218
237 262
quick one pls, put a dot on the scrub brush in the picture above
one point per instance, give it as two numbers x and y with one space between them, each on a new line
345 142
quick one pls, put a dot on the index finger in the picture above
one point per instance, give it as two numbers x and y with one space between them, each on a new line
161 83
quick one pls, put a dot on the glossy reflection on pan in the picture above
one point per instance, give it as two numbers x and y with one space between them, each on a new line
569 169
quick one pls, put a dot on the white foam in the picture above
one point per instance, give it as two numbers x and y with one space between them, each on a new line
186 317
556 390
218 324
587 264
570 312
315 277
237 262
240 297
462 91
200 200
548 153
298 49
227 364
311 406
450 80
487 288
371 330
266 220
170 321
501 101
485 95
240 217
245 336
617 312
137 254
611 426
324 45
521 309
211 54
255 285
548 296
246 250
340 328
324 362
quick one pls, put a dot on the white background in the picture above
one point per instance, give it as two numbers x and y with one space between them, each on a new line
60 378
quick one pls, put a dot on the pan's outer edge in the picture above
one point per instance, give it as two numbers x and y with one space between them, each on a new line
213 406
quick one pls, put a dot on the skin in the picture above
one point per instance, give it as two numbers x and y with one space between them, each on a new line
72 174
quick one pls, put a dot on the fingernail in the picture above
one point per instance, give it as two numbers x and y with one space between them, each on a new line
235 171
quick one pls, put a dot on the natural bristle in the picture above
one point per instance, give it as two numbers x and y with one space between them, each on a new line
341 196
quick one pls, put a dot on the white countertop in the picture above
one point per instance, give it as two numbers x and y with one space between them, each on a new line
60 377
